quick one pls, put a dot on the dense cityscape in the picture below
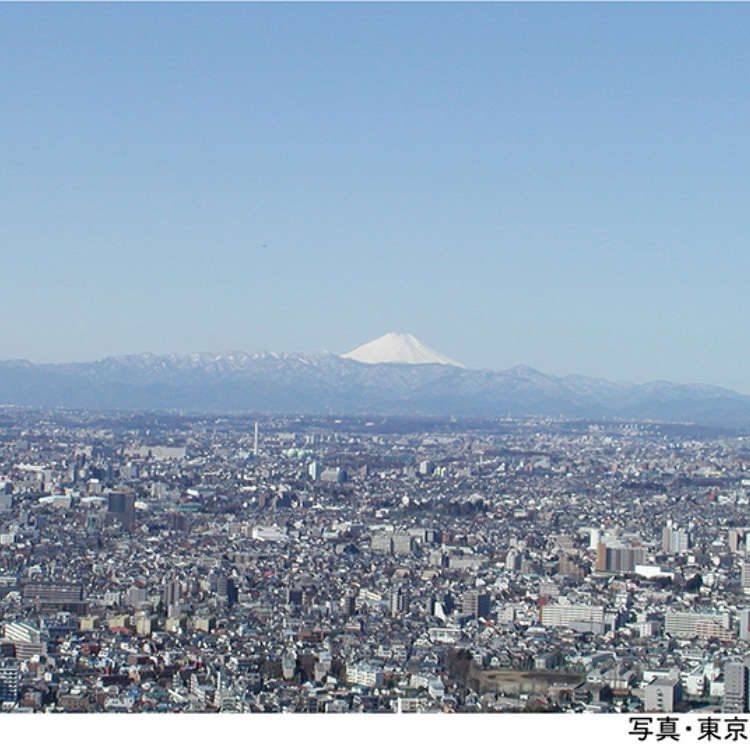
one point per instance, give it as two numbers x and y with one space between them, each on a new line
168 562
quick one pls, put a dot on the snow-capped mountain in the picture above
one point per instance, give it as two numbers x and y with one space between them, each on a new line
326 383
399 348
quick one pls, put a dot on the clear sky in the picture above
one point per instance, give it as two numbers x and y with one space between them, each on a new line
564 186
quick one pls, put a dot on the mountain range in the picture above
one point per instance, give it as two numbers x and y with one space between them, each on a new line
326 383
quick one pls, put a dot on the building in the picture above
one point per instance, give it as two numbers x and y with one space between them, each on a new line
737 540
402 544
27 640
121 507
396 544
365 675
578 616
22 632
662 695
735 687
144 624
8 681
333 474
674 540
618 558
226 588
54 597
744 633
397 601
475 604
172 593
135 596
349 604
695 624
381 543
595 536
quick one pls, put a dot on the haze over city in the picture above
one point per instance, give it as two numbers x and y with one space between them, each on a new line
555 185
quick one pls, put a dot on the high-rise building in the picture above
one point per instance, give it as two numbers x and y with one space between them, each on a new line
349 604
475 604
595 536
8 681
294 595
397 601
403 544
735 687
121 507
136 596
674 539
618 557
737 540
662 695
744 633
172 593
224 586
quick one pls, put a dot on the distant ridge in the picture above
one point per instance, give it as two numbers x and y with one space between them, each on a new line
399 348
328 384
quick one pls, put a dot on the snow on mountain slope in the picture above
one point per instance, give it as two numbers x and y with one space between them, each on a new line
400 348
393 375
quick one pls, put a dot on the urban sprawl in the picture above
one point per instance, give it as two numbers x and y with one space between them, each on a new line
192 563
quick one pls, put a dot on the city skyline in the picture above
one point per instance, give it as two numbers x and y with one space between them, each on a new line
178 563
556 186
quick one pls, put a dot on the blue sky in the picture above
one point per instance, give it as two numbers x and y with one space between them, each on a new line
564 186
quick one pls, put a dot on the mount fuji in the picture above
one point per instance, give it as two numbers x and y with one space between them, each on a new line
401 348
395 374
